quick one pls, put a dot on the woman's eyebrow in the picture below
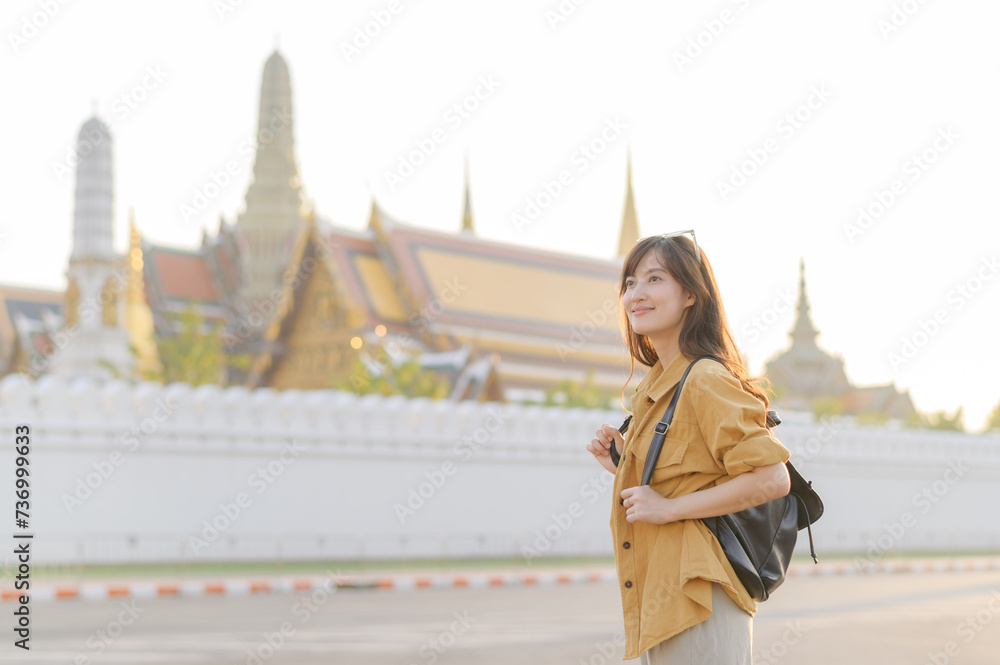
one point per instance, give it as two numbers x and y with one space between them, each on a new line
649 270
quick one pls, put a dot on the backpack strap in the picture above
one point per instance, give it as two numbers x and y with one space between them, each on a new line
661 427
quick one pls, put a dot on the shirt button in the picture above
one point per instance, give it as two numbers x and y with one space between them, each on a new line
627 545
628 585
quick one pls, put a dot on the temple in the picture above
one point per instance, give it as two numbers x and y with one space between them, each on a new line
306 299
308 302
518 318
804 375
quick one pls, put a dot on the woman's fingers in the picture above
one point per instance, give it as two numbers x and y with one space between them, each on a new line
640 504
600 445
614 436
611 432
598 448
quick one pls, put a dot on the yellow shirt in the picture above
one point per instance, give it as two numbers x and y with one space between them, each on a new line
665 571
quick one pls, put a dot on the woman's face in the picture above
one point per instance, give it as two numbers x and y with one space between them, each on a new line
653 300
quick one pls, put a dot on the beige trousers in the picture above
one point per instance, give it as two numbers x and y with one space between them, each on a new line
725 638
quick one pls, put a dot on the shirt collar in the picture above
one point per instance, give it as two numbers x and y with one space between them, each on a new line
659 379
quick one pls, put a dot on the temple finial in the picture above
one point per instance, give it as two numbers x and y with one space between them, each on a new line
803 330
629 231
467 221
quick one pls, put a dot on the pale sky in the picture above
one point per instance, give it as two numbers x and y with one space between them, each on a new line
839 103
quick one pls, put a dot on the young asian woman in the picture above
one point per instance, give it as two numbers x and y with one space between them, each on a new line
681 599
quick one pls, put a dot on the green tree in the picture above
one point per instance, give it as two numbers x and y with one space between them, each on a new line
876 418
570 393
382 375
939 420
826 406
993 420
195 353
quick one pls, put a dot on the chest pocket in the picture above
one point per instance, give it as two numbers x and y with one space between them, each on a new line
668 464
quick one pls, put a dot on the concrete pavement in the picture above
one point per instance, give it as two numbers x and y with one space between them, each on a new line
936 618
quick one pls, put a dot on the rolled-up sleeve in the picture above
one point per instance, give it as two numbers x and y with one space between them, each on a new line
733 423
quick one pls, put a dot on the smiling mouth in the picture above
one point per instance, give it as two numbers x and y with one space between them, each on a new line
642 310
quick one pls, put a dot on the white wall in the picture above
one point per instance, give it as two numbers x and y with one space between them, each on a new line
123 473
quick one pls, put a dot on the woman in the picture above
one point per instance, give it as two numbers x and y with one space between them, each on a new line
681 599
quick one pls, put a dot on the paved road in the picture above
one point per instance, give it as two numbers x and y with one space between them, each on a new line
884 619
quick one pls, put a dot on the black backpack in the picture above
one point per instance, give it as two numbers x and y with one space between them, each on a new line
757 541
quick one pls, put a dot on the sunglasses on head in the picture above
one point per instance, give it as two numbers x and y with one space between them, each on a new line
693 238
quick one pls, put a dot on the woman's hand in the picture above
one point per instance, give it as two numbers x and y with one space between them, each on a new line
600 446
644 504
752 488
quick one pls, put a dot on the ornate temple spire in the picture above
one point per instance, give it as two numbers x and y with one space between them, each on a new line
803 332
629 232
138 316
467 222
134 244
272 220
96 277
93 218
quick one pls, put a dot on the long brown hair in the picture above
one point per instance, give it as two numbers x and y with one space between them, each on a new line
705 330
